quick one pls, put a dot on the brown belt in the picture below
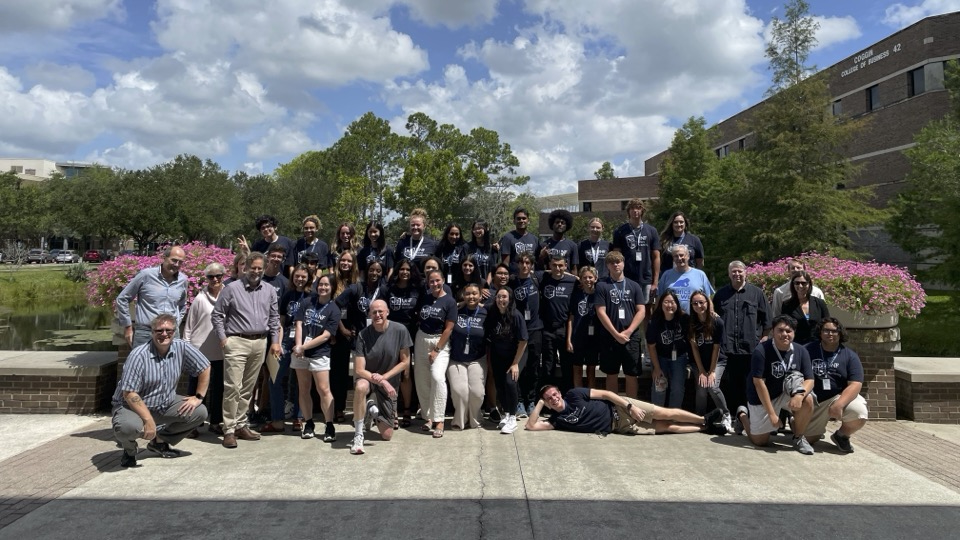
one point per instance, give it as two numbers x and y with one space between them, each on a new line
249 336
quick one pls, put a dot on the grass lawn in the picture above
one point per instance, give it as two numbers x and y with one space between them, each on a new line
40 283
936 332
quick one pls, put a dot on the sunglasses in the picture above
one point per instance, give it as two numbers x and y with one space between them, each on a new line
163 331
214 276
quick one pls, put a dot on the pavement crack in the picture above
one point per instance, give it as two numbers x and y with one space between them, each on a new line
483 487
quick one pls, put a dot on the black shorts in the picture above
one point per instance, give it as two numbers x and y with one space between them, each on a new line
627 356
587 352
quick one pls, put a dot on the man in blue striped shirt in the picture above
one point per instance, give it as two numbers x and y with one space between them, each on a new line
146 404
157 290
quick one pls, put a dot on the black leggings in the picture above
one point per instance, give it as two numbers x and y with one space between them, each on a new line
508 390
340 380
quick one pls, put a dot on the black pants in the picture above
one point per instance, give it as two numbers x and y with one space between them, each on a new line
554 351
528 376
735 380
508 390
214 398
340 380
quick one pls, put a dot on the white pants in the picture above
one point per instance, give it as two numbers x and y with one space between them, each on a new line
467 386
430 378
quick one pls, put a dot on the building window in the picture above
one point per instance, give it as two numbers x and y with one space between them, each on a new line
873 98
32 172
915 82
16 169
623 205
588 207
742 143
837 108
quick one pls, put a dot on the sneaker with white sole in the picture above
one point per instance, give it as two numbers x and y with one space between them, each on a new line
727 423
357 447
802 446
308 430
510 425
503 420
521 411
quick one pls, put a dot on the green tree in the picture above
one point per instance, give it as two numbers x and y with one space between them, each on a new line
605 172
794 197
22 209
925 215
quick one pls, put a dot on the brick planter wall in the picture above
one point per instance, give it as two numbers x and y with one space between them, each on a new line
64 393
879 386
929 402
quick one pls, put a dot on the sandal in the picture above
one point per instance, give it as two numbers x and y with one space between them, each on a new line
426 427
437 433
405 422
298 424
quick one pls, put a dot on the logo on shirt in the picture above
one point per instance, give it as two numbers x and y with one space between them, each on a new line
398 302
778 370
582 307
685 282
820 368
523 291
463 321
411 252
363 304
559 252
520 247
431 312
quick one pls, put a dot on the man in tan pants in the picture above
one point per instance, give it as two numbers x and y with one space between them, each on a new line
245 313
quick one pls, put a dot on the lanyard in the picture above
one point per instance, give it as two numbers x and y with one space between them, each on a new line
786 366
416 251
470 320
677 241
595 250
823 354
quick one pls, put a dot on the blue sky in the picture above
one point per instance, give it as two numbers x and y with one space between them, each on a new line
568 83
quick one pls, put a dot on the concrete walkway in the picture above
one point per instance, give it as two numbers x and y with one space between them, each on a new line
901 482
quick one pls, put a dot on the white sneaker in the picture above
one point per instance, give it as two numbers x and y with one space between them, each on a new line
503 420
357 447
728 423
510 425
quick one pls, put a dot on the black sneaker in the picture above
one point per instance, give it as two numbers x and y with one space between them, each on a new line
713 423
128 460
495 415
307 432
162 449
842 442
330 434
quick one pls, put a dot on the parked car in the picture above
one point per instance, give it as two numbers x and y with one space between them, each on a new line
39 256
68 256
92 256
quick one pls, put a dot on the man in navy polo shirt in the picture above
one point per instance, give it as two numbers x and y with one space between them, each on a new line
838 379
782 380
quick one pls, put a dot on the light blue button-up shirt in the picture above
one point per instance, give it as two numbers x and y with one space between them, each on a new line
154 295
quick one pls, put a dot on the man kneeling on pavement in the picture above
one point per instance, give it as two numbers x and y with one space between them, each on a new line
585 410
146 405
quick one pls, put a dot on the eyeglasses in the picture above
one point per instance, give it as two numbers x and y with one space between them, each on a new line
163 331
214 276
801 283
829 331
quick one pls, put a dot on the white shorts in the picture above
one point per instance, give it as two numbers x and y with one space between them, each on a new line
759 419
320 363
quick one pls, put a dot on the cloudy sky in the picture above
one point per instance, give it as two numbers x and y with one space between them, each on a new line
251 83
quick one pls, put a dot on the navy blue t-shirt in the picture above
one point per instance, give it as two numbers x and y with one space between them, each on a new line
417 252
486 258
637 244
584 310
355 302
403 303
513 244
450 262
705 343
435 312
614 296
766 364
262 246
840 368
278 282
370 254
527 294
468 329
582 414
289 306
565 248
667 336
595 254
503 340
316 319
318 246
556 295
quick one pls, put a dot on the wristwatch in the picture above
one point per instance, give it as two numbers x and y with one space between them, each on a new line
199 396
629 406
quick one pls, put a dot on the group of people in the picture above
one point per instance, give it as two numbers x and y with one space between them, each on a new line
500 329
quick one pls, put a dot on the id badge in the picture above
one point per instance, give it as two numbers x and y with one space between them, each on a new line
293 332
826 384
449 279
369 321
673 355
526 314
590 330
466 348
638 256
622 313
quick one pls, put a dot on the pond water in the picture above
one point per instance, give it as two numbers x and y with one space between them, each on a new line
74 326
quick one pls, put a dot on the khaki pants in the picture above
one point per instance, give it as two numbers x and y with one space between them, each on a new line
467 388
855 410
242 360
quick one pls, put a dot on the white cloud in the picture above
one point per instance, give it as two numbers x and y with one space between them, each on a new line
900 15
253 168
836 30
59 77
281 141
21 16
593 82
128 155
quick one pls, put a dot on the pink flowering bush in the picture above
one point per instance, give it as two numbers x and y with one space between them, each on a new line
867 287
106 282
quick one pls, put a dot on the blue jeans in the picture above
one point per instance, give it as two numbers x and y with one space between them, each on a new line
676 373
278 387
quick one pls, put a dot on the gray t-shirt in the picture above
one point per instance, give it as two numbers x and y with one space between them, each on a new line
381 351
